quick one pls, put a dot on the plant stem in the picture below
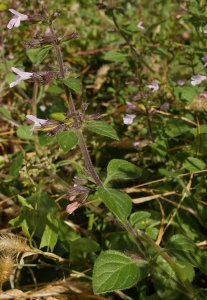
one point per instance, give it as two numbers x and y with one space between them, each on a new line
72 110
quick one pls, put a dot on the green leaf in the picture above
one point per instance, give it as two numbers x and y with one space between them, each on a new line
175 127
185 249
114 271
5 112
66 140
122 169
167 289
102 128
83 245
159 147
16 165
115 55
22 222
24 133
152 232
73 84
169 173
32 54
55 89
42 54
185 94
118 202
193 164
24 202
139 219
50 234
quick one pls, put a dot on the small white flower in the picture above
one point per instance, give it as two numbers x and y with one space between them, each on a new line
154 86
139 25
20 76
43 107
205 30
181 82
128 119
15 21
197 79
37 122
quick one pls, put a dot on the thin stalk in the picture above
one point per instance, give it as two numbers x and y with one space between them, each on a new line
72 110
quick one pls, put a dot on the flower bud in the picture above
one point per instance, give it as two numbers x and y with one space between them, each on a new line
36 18
55 15
69 37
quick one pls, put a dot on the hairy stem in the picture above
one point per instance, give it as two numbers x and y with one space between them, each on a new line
72 110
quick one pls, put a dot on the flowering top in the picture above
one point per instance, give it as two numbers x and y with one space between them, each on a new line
20 76
139 25
154 86
197 79
15 21
37 122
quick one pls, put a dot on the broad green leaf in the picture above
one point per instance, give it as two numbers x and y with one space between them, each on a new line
42 54
152 232
102 128
115 55
55 89
66 140
176 127
3 6
32 54
83 245
16 165
185 94
121 169
193 164
118 202
57 116
185 249
5 112
22 222
50 234
24 202
159 147
24 133
139 219
114 271
73 84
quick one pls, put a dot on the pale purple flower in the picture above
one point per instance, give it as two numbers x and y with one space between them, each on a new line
37 122
128 119
154 86
197 79
130 105
135 144
204 59
181 82
15 21
139 25
20 76
205 30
